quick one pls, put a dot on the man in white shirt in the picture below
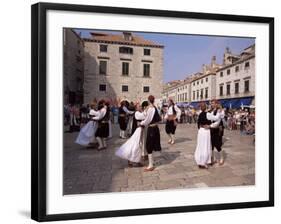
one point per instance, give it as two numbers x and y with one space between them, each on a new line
216 117
172 117
122 120
151 121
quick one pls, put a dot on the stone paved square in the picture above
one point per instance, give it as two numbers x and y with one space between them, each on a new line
91 171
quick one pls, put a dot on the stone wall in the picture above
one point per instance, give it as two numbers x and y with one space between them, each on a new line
73 70
240 76
114 78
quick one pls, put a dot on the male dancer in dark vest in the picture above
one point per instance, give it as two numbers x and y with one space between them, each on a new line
122 119
103 128
216 131
153 134
172 117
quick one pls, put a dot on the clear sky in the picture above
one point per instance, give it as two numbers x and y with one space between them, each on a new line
184 54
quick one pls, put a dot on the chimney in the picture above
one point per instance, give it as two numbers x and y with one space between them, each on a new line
204 68
127 36
227 50
213 61
227 53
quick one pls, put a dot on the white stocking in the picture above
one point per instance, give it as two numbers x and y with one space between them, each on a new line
150 161
104 142
170 138
99 140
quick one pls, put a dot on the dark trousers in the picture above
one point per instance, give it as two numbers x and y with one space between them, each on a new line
153 139
216 138
170 127
122 123
103 130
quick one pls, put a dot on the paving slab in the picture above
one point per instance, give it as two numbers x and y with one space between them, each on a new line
87 170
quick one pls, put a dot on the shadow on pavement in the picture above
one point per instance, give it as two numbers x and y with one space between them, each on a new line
180 140
166 157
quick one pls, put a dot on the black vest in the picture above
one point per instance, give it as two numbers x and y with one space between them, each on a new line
106 116
135 124
156 118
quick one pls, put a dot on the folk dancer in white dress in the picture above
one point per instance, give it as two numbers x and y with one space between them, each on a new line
131 150
87 133
216 116
153 134
103 129
203 152
172 117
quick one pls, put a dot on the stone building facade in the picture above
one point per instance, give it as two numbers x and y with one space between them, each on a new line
203 85
200 86
170 91
232 82
122 66
183 91
236 78
73 67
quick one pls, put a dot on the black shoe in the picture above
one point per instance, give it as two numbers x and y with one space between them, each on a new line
138 165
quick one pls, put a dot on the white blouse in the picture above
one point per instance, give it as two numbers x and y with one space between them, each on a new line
139 115
216 118
171 112
149 116
100 114
93 112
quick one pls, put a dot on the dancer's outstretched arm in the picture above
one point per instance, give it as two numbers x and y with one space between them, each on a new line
127 111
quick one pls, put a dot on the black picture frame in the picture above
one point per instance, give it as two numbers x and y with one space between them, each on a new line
39 122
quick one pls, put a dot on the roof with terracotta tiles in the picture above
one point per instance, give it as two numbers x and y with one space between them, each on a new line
119 39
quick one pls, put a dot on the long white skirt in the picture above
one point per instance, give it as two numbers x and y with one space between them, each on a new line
130 125
86 133
203 150
131 149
